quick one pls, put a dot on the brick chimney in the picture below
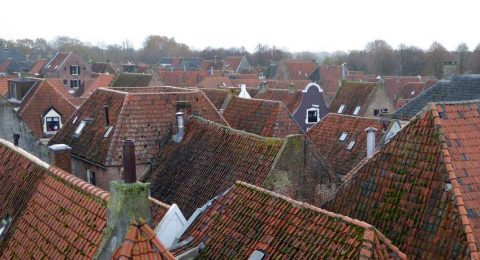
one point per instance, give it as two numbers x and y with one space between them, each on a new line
61 156
128 201
370 141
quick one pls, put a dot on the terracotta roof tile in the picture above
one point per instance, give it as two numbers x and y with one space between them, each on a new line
262 117
103 67
215 82
56 61
146 115
3 86
101 81
291 100
128 79
295 69
352 94
182 78
248 218
208 161
141 242
421 186
326 137
54 214
219 96
38 67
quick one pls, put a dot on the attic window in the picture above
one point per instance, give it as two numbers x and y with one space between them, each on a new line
5 224
341 109
80 127
357 110
343 136
442 114
351 145
257 255
313 115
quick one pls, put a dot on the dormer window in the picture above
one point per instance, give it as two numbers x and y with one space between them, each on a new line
341 109
52 122
313 115
343 136
357 110
75 70
80 127
351 145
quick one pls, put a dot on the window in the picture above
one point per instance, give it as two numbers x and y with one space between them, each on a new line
351 145
80 127
357 110
313 115
257 255
53 124
52 121
343 136
341 109
5 224
75 83
108 132
65 83
75 70
91 177
12 90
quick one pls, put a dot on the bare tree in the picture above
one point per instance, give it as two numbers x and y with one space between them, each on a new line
381 58
435 57
475 60
411 59
462 54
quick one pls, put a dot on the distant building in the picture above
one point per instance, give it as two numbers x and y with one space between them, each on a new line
71 68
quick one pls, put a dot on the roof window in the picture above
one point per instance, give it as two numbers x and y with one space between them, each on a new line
5 224
343 136
108 132
257 255
357 110
341 109
80 127
351 145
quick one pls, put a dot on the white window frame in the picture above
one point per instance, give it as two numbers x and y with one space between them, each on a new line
80 127
343 136
357 110
351 145
51 114
77 70
78 83
90 177
318 115
341 109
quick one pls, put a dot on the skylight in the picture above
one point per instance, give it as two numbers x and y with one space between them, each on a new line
357 110
4 224
80 127
257 255
340 109
75 120
108 132
343 136
351 145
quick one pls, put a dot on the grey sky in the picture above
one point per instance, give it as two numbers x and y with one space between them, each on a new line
299 25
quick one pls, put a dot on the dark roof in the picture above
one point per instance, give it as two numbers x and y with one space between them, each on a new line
103 67
209 159
353 94
131 80
326 133
54 214
56 61
43 96
146 115
262 117
458 88
421 188
248 219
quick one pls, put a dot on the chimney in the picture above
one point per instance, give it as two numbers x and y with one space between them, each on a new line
181 127
128 202
244 92
107 118
370 141
291 88
129 166
15 139
60 156
344 71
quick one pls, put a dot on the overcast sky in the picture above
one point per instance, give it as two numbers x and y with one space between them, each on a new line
298 25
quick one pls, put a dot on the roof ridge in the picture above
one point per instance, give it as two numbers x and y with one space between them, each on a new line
437 122
305 205
111 145
24 153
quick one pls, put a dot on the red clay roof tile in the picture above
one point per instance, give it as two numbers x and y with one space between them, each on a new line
38 67
352 94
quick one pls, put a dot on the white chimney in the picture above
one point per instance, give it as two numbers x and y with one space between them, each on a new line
181 127
244 92
370 141
344 71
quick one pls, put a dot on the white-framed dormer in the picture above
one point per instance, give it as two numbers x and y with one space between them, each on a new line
312 84
313 115
52 121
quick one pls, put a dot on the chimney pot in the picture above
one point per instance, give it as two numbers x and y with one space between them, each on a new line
370 141
60 156
129 166
15 139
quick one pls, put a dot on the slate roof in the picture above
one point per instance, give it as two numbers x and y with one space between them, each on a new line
38 67
189 78
248 218
422 188
128 79
40 99
290 99
326 133
141 242
146 115
54 214
209 159
458 88
353 94
101 81
56 61
103 67
215 82
262 117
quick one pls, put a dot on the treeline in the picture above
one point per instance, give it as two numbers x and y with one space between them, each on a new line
378 57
